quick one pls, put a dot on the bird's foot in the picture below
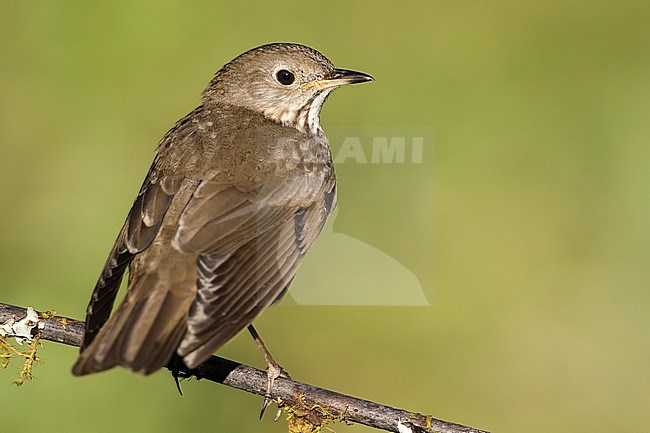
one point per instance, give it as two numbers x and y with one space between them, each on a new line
175 367
273 371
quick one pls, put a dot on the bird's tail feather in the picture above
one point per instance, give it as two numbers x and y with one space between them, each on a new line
142 334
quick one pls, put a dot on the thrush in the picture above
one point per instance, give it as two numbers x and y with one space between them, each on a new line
237 193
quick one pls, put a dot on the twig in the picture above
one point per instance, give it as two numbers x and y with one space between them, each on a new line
302 400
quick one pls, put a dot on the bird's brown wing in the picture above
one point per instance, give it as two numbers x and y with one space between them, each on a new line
139 230
249 245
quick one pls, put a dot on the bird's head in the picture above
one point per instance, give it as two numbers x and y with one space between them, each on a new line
288 83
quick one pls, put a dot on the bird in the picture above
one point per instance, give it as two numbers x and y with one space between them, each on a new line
238 191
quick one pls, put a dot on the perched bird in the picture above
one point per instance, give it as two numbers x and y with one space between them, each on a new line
238 191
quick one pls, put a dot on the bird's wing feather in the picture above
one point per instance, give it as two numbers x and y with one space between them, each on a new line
139 230
249 245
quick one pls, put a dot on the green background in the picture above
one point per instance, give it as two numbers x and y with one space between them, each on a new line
526 224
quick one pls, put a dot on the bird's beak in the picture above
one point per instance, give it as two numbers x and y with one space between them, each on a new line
340 77
344 76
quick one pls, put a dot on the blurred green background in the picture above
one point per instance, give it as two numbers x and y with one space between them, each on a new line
526 224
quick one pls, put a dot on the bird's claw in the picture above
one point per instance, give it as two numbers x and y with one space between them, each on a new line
273 371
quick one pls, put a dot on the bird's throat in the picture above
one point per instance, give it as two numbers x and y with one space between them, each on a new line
306 118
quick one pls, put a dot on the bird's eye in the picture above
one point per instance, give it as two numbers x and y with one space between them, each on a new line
285 77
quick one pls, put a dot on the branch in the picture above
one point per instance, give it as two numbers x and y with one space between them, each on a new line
302 401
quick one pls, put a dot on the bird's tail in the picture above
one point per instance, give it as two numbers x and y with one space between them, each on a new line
144 331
